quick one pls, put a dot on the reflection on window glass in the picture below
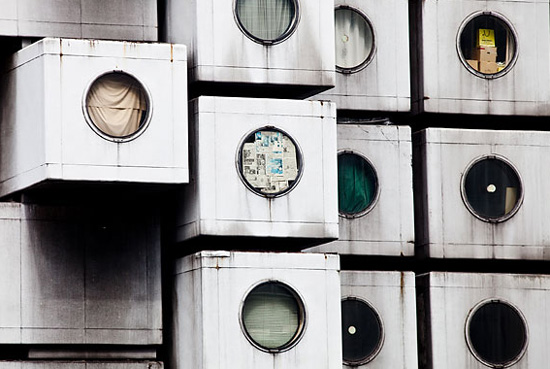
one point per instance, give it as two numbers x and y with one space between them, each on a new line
357 184
361 332
488 44
270 162
272 316
117 104
353 37
497 333
266 20
492 188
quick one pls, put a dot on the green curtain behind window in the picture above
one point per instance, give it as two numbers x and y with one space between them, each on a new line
356 184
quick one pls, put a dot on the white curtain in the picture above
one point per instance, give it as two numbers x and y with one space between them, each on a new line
266 19
354 38
271 316
116 104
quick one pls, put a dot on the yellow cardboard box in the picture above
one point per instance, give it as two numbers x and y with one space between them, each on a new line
486 37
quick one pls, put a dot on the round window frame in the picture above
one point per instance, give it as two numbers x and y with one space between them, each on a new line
302 327
513 31
519 202
99 132
299 158
374 201
372 53
380 344
286 35
472 350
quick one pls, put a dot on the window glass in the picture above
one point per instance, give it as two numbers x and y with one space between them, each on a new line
267 20
272 316
270 162
361 332
497 333
117 104
354 39
357 184
488 45
492 188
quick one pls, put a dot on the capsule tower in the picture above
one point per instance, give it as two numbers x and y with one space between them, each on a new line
283 184
93 135
479 143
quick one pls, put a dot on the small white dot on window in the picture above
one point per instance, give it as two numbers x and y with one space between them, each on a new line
491 188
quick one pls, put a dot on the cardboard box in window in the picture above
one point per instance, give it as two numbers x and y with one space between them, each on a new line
486 37
488 67
473 63
486 53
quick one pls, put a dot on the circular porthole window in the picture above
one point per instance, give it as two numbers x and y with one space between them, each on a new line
273 317
267 22
496 333
362 333
487 45
117 106
492 189
357 185
269 162
354 39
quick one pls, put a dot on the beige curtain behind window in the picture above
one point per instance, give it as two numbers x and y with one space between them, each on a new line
116 104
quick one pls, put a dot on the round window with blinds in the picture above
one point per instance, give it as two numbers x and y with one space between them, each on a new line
496 333
362 333
357 185
492 189
273 317
269 162
487 45
267 21
117 106
354 40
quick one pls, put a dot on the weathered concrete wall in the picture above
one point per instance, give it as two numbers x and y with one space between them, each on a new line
209 289
450 298
384 84
445 226
47 135
220 204
220 52
387 226
94 19
86 275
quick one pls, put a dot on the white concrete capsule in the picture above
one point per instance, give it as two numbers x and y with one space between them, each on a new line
80 364
375 191
480 194
379 319
80 275
476 320
262 310
484 57
95 111
95 19
283 48
372 56
263 168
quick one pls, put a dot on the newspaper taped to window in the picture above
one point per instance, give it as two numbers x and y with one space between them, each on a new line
270 162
